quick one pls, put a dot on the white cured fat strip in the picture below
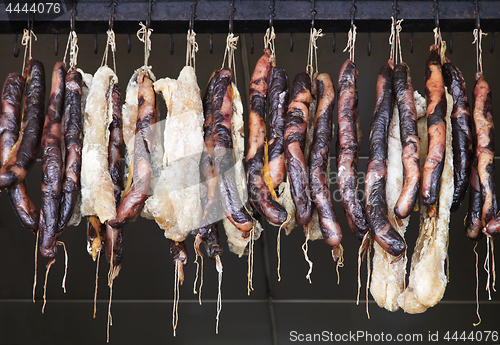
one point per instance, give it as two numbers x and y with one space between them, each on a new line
76 217
286 200
236 241
387 279
428 280
97 187
175 203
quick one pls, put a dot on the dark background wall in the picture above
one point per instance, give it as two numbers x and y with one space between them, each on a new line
143 292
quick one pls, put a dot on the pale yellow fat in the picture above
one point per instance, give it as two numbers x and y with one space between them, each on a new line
175 203
97 187
428 279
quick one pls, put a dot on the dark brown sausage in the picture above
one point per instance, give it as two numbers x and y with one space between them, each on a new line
485 150
115 147
436 127
461 130
20 200
295 140
277 105
133 201
348 148
223 159
52 165
73 138
403 90
318 160
24 154
376 176
260 195
474 225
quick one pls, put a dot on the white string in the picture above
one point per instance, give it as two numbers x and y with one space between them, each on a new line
26 41
192 49
72 46
269 38
110 43
478 39
144 35
231 46
351 42
312 55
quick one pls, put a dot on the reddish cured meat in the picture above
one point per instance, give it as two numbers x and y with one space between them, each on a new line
295 140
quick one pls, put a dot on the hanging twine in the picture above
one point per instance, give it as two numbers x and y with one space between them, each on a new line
144 35
478 38
27 42
312 56
110 43
395 41
192 49
72 46
231 46
351 42
269 38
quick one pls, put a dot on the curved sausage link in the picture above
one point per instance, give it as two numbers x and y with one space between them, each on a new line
277 104
348 148
113 237
436 127
485 148
474 226
20 200
376 176
461 124
24 154
73 139
295 140
403 90
133 201
52 165
260 195
223 159
318 160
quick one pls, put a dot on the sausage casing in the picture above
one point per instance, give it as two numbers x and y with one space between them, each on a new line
52 165
376 177
295 140
348 148
474 225
403 90
436 127
462 132
319 158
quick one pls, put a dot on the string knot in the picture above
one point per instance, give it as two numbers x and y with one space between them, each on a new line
351 42
313 47
144 35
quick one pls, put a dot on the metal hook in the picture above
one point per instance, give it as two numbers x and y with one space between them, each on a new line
334 42
16 49
171 44
291 42
112 15
492 42
478 19
72 20
193 15
231 15
436 14
313 12
211 44
56 44
95 43
353 11
450 43
411 42
148 16
271 13
369 47
251 43
395 10
129 43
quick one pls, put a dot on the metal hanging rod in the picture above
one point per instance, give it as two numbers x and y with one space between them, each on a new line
253 16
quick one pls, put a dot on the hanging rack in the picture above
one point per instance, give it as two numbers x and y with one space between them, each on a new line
253 16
